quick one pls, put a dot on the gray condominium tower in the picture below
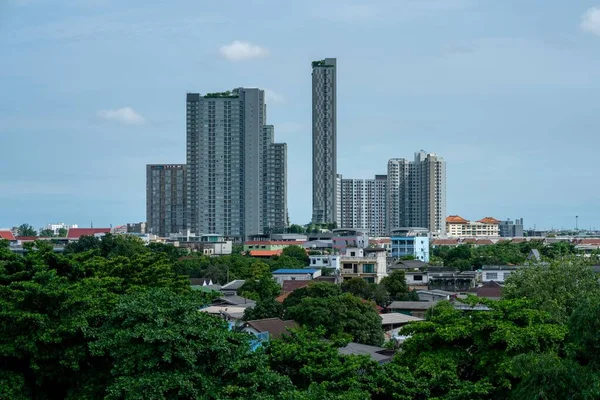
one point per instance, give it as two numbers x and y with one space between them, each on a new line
416 193
165 198
236 182
324 130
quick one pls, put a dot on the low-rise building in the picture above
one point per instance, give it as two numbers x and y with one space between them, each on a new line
207 244
269 328
270 245
348 238
497 273
368 264
451 280
325 261
413 308
410 242
300 274
459 227
76 233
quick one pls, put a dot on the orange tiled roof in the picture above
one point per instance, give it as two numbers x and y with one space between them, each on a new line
265 253
8 235
456 219
489 220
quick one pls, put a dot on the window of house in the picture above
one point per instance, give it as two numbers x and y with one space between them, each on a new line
418 278
491 275
314 261
370 280
369 268
352 254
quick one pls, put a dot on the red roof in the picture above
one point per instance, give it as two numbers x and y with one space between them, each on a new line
76 233
265 253
275 242
489 220
27 238
289 285
589 241
484 241
456 219
469 240
8 235
442 242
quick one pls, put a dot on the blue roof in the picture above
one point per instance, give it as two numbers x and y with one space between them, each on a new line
296 271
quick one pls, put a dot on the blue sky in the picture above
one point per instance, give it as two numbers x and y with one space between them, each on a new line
507 91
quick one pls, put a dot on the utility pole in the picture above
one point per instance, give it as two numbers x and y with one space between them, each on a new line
577 222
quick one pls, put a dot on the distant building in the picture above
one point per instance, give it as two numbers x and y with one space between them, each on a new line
325 191
77 233
55 228
410 242
497 273
236 173
367 264
207 244
459 227
345 238
325 261
137 227
166 196
509 228
364 203
416 193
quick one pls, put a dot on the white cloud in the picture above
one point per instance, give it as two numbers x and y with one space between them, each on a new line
590 21
242 51
125 115
274 98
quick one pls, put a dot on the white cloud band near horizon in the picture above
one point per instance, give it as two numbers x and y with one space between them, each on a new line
124 115
590 21
242 51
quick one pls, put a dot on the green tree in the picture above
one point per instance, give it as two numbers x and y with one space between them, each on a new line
46 233
395 284
557 288
158 345
26 230
344 313
267 308
298 253
62 232
294 228
314 289
462 354
308 360
356 286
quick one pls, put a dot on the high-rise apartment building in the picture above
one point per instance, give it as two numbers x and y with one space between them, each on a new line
363 204
229 148
166 196
324 141
417 193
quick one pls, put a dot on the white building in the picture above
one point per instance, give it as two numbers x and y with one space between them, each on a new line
368 264
496 273
300 274
56 227
363 204
459 227
325 261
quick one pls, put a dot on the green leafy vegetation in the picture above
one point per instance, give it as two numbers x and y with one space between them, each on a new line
114 319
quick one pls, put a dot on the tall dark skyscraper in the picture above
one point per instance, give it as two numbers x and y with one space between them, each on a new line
324 143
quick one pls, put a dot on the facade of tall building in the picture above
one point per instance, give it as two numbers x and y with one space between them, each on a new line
275 182
166 197
324 143
363 204
417 193
228 147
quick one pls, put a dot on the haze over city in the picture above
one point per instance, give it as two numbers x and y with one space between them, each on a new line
507 92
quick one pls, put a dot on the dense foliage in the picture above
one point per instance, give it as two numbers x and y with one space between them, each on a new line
114 319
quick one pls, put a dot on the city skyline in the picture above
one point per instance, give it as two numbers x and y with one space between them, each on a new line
510 105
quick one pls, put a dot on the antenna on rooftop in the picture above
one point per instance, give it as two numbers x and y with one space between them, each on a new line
91 224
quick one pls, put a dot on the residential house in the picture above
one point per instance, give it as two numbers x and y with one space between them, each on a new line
392 323
415 272
490 290
325 261
410 242
497 273
450 279
382 242
76 233
7 234
207 244
269 328
299 274
368 264
349 238
412 308
378 354
232 287
319 245
436 295
270 245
